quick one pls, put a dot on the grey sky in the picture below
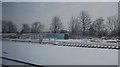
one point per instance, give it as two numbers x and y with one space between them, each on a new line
29 12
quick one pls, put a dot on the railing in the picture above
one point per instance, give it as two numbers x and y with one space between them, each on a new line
18 61
63 43
89 46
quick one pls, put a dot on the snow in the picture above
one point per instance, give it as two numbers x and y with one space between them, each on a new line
72 41
88 42
8 62
58 55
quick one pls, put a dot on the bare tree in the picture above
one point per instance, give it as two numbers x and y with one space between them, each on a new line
112 25
8 27
72 26
56 25
85 21
37 27
4 27
91 31
99 26
25 28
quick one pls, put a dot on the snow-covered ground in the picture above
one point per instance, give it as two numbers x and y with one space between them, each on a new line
72 41
86 43
9 62
58 55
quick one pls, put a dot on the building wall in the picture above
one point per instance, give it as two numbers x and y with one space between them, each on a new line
54 35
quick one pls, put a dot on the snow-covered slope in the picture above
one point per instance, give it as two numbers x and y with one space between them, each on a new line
58 55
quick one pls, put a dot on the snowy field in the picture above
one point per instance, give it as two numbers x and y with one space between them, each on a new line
89 42
58 55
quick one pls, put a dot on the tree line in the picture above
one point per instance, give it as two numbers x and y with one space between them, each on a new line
82 25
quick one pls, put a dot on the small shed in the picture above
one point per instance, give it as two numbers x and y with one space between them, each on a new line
55 36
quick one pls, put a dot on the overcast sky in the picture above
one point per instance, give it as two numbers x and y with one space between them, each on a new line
29 12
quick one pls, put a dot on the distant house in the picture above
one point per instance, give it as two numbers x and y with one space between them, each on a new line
25 36
9 35
49 36
36 36
55 36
